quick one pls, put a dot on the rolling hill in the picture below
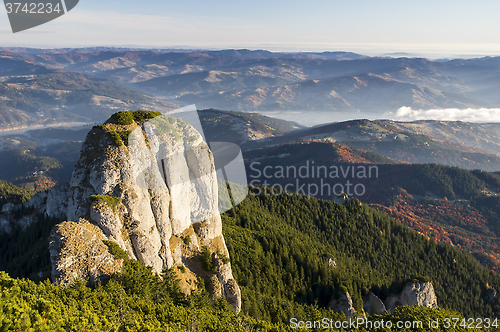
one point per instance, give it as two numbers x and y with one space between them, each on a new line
469 146
246 80
32 94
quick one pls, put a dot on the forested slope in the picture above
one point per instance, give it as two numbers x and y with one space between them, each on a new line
279 247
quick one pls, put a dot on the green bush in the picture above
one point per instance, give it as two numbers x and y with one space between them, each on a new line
206 257
124 134
115 136
112 202
145 115
115 250
124 117
223 257
134 300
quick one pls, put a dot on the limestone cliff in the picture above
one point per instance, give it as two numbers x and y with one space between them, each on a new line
343 304
413 294
151 187
372 305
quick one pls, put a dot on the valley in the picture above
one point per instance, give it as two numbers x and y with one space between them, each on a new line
432 200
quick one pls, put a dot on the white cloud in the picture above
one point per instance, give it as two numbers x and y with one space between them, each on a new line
481 115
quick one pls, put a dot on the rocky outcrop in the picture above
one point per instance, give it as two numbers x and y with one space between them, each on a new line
146 186
413 294
491 293
372 305
8 208
343 304
77 251
8 220
225 276
5 225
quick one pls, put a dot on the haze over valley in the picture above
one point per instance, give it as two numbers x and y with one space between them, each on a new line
374 187
68 85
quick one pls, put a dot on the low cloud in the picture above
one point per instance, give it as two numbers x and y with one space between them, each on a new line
448 114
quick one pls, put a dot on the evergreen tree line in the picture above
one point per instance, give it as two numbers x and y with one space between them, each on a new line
280 246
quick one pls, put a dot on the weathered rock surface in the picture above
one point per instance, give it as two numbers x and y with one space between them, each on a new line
413 294
343 304
77 250
8 220
8 208
152 192
225 276
372 305
491 293
5 225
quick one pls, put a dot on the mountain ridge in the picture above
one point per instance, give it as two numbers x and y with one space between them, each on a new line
259 80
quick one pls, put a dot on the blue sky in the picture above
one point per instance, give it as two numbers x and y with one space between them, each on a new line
430 28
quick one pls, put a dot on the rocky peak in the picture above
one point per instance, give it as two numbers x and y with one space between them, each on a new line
148 182
413 294
419 293
343 303
372 305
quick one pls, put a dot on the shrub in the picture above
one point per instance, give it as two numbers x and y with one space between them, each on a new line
115 250
224 258
112 202
124 136
145 115
124 117
115 136
206 257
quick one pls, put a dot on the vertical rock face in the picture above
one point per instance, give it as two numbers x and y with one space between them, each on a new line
153 192
491 293
419 294
343 304
413 294
372 305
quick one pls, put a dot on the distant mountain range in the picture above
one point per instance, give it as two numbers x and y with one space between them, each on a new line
446 203
292 253
466 145
34 82
53 152
32 94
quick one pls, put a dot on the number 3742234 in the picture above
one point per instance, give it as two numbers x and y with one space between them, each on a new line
471 323
32 8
